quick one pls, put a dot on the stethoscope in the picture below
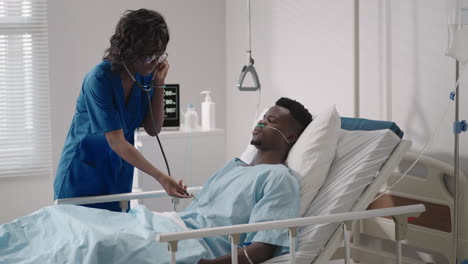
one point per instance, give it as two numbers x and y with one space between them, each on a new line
145 87
148 87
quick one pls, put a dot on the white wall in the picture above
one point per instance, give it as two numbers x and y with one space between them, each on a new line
79 32
303 50
405 75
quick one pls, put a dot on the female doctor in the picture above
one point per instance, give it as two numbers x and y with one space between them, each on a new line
122 92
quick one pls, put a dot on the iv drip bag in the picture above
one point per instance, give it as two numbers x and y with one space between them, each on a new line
457 18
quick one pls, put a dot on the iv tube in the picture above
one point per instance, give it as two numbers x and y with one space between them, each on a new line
425 145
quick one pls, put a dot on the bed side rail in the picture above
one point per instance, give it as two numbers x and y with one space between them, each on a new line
123 198
400 215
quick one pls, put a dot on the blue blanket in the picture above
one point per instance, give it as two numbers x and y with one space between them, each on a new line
75 234
236 194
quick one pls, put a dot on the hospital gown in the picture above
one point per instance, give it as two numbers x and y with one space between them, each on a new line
239 194
236 194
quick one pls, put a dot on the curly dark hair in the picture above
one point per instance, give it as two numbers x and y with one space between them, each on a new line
297 110
135 30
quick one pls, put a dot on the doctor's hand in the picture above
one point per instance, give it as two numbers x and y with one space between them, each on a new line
161 73
172 187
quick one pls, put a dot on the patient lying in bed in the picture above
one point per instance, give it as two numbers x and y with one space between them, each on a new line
239 193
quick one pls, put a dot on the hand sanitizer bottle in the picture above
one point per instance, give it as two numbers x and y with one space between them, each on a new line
190 118
208 112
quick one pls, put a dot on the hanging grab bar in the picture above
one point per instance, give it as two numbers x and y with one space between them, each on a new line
245 70
249 67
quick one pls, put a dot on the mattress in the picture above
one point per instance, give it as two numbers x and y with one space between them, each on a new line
359 157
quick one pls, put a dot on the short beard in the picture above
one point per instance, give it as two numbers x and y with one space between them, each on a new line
255 142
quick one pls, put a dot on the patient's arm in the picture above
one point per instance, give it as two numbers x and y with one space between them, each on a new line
258 252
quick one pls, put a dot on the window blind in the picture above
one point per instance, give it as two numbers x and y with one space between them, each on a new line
25 143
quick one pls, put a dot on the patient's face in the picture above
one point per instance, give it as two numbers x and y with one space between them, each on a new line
277 117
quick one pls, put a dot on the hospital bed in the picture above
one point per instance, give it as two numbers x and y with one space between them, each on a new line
430 236
364 162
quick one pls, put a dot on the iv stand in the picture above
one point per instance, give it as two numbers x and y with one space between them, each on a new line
458 127
456 164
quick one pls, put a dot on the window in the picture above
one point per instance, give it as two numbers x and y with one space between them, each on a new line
25 144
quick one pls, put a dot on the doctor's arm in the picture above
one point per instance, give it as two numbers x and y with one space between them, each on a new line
157 102
130 154
258 252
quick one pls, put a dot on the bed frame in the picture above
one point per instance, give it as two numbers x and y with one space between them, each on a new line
332 251
433 231
400 215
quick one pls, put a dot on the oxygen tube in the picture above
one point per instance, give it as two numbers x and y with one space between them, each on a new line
277 130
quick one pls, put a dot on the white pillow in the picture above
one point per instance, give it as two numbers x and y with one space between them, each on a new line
310 157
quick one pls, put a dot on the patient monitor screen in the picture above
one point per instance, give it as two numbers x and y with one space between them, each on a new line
171 106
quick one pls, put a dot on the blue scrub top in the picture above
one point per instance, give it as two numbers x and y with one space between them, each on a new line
88 166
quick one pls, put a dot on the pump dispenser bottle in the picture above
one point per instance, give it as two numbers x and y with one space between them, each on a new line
190 118
208 112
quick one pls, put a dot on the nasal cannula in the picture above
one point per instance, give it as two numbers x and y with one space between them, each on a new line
274 128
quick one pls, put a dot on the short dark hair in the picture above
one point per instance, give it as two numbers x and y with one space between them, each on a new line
135 29
297 110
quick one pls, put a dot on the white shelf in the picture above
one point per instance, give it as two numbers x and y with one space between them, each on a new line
141 134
